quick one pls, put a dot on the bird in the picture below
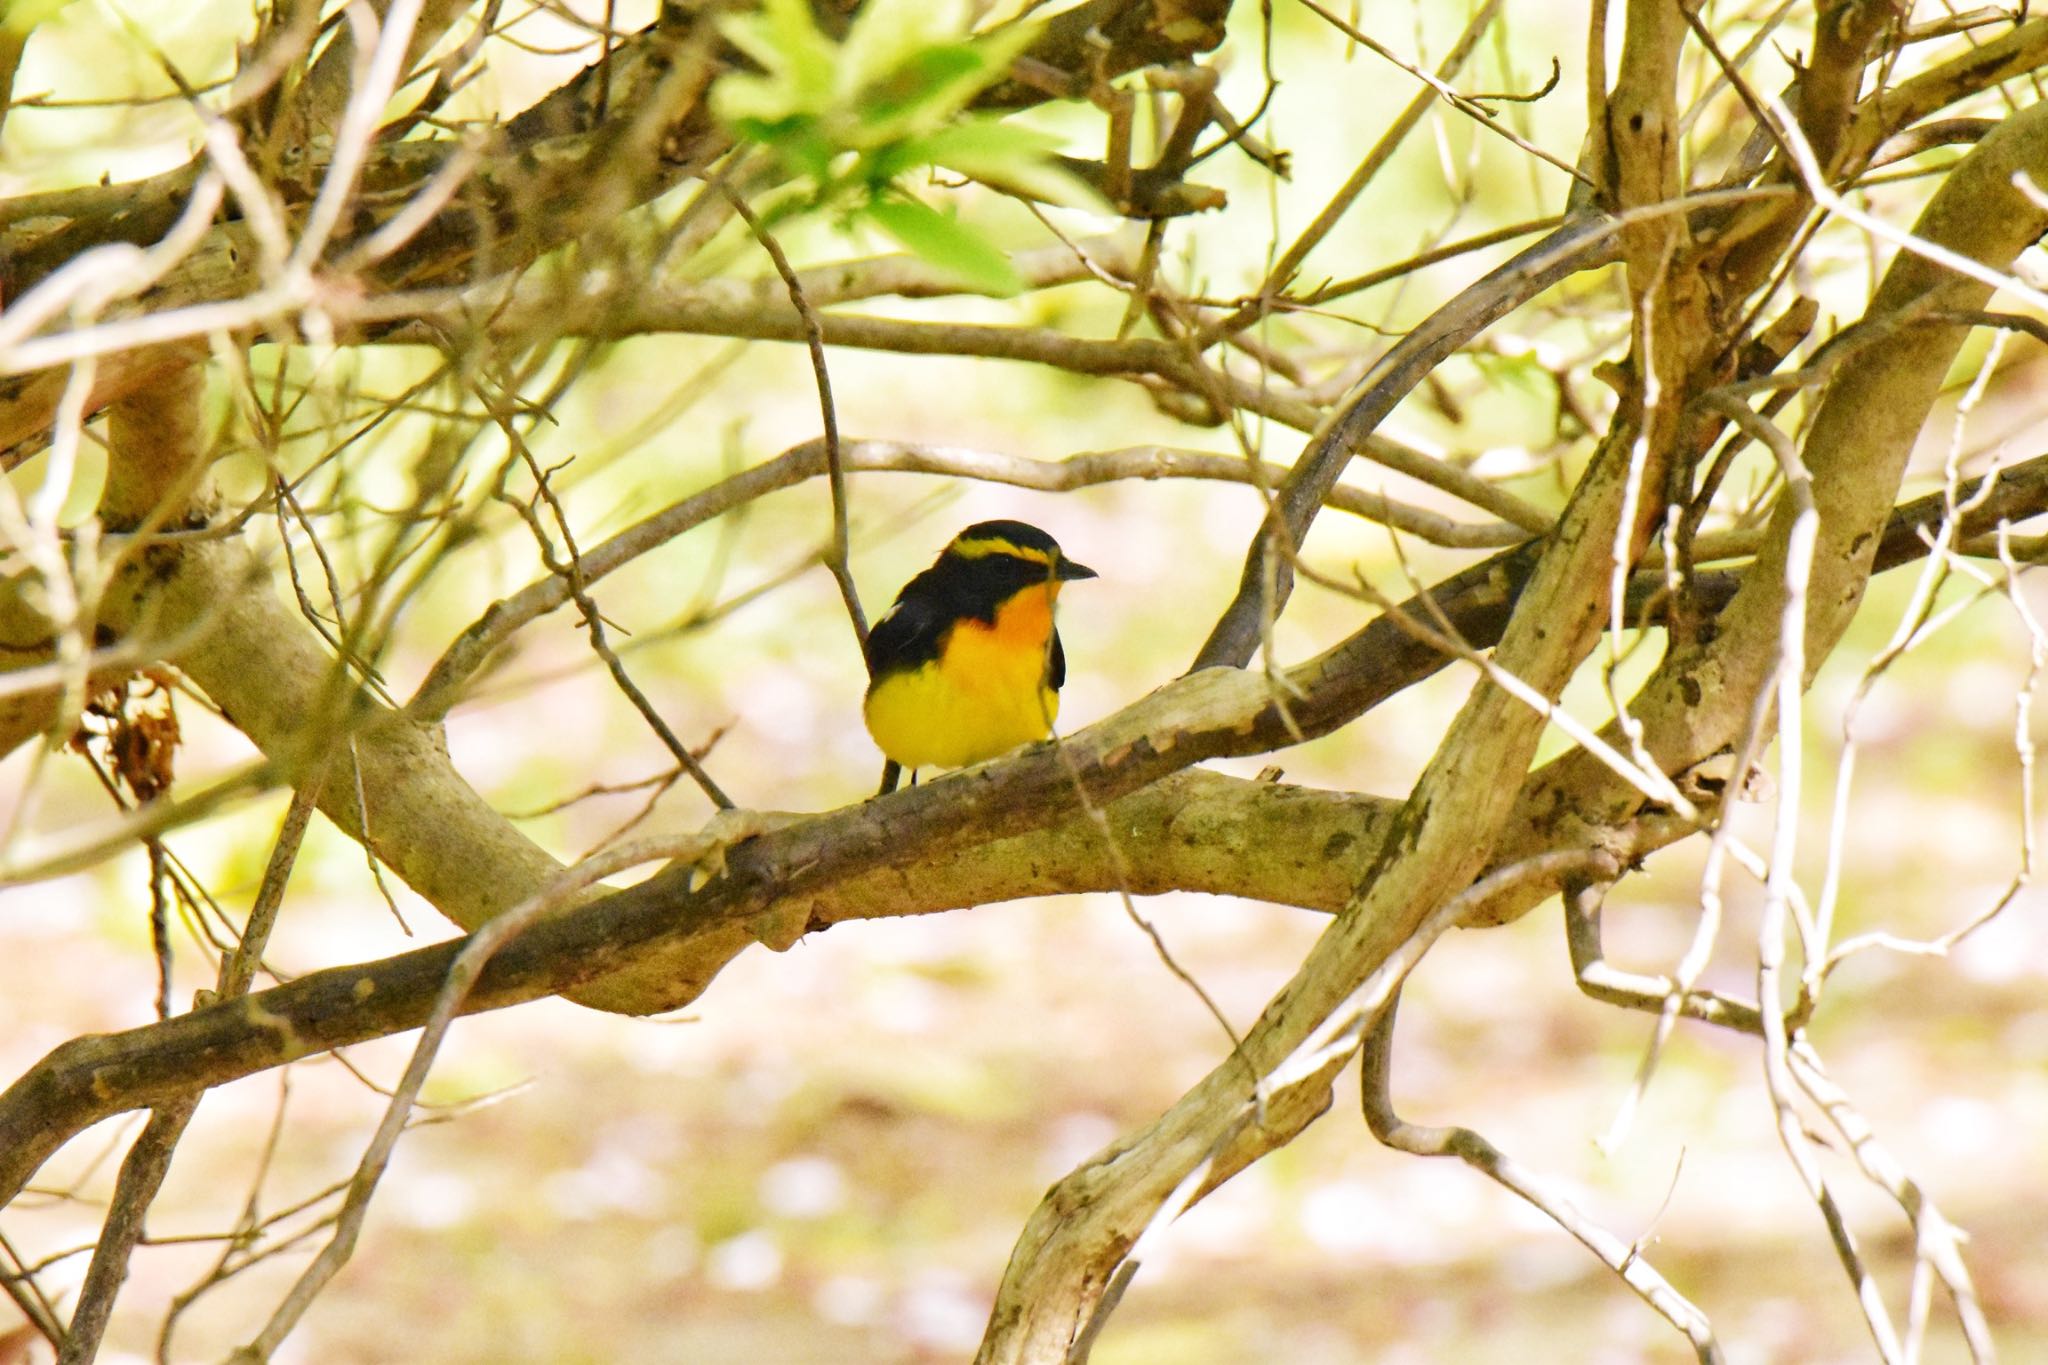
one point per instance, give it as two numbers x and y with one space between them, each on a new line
966 664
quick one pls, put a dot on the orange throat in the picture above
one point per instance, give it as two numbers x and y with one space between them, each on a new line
1023 623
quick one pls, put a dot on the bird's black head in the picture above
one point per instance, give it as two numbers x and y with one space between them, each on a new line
1018 541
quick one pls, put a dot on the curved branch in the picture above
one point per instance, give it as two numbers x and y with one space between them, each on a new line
469 651
1196 831
1443 840
1472 1148
1584 244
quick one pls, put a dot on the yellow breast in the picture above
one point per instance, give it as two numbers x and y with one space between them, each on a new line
985 694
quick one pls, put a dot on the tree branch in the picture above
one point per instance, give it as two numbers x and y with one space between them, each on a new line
1871 413
1195 831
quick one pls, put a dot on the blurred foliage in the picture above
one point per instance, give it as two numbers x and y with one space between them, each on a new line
853 119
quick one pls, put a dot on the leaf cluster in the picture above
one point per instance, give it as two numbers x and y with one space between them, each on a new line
850 121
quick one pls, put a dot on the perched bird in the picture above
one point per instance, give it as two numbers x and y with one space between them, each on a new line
966 664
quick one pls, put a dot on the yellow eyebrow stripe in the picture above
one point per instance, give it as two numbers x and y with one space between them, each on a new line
981 549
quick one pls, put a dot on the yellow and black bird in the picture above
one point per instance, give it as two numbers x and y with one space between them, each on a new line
967 665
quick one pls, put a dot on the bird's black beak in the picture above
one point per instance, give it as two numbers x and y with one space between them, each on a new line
1067 569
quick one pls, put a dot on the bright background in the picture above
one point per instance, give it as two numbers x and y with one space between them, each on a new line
826 1159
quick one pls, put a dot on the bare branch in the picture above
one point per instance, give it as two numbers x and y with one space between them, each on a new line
1475 1151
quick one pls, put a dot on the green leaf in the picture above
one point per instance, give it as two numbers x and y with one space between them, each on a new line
940 81
888 34
1009 158
919 94
948 244
855 118
800 64
799 141
883 165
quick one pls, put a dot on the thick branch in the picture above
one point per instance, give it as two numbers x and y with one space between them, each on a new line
1440 842
1098 41
1196 831
1698 702
1981 68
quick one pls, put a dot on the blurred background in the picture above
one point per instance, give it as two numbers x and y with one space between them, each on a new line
828 1156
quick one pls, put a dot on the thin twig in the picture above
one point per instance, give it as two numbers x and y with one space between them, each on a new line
462 974
1788 682
836 557
568 568
143 1169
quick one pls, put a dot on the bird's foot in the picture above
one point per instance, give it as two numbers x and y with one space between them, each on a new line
704 854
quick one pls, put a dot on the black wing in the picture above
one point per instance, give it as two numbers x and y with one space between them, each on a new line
1056 667
909 635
